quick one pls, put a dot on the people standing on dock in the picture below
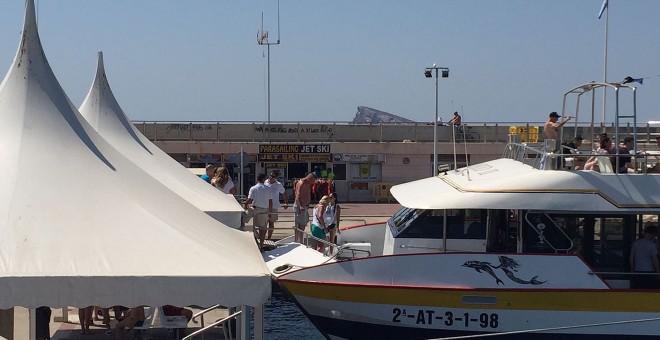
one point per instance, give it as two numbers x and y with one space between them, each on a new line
331 175
222 181
85 318
261 199
332 216
303 193
276 188
551 126
319 228
210 171
644 259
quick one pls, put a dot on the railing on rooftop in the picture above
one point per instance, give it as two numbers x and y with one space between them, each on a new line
323 132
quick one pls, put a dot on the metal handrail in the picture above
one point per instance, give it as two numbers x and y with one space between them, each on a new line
204 329
624 273
202 312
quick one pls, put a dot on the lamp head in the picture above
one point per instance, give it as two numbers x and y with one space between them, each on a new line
445 73
428 74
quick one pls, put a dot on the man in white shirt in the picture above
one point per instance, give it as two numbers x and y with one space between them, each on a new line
261 199
277 188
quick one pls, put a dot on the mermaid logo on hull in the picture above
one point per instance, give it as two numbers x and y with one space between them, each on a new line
508 265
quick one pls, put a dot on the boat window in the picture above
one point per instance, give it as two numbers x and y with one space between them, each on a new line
612 239
403 218
545 233
461 224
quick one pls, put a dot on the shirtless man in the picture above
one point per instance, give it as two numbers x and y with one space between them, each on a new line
302 191
551 126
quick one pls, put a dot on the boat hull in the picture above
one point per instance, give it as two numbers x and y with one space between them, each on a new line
343 304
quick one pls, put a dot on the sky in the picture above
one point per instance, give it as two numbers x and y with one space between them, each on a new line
509 61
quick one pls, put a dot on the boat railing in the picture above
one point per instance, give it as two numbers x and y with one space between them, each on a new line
225 322
566 159
628 274
524 153
308 238
291 219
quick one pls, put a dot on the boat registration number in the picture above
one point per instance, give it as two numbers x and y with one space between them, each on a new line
449 318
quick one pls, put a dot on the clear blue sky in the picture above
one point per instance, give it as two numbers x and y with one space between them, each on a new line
510 61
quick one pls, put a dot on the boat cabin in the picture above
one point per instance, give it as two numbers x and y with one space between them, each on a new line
602 239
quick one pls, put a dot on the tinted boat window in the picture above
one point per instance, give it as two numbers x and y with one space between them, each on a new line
461 224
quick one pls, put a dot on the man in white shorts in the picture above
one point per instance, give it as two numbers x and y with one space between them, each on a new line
276 188
260 198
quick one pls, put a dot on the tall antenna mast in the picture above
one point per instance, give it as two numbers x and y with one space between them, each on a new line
262 39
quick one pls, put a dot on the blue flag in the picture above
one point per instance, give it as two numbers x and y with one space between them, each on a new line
602 8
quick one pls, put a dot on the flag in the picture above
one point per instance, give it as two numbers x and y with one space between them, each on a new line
602 8
630 79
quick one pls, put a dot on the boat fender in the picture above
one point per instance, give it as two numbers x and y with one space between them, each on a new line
283 268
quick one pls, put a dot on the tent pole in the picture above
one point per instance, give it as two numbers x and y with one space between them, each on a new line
32 319
65 314
259 322
244 329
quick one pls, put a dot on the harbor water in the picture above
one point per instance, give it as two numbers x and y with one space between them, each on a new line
283 320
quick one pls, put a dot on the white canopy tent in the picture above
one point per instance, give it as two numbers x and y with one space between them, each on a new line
104 114
109 234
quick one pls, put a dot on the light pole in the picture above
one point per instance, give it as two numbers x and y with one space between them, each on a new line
428 73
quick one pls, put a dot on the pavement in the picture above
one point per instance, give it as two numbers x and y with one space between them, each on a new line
351 214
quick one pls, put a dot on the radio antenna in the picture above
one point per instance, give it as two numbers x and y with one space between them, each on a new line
262 39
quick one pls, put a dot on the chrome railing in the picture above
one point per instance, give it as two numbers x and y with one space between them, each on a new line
204 329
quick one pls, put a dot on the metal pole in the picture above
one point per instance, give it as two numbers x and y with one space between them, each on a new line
240 173
607 15
268 52
435 128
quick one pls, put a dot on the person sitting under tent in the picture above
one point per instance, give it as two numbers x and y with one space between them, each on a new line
133 318
169 310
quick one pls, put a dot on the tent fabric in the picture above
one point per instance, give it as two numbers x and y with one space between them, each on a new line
102 111
509 184
81 225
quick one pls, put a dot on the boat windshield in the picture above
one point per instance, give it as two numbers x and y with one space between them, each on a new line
402 219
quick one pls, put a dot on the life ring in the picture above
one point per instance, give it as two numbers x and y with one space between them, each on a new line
282 269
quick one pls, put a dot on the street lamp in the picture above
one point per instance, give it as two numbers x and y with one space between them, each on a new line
428 73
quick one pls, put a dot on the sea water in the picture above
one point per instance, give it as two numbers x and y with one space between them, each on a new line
283 320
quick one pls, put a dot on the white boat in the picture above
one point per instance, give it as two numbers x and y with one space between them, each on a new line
491 249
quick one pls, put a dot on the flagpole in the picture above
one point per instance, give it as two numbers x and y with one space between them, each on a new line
607 15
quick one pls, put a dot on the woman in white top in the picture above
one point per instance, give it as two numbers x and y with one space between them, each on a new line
332 216
319 228
222 181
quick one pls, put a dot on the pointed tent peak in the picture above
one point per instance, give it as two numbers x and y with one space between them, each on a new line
31 92
100 69
30 34
30 15
101 109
